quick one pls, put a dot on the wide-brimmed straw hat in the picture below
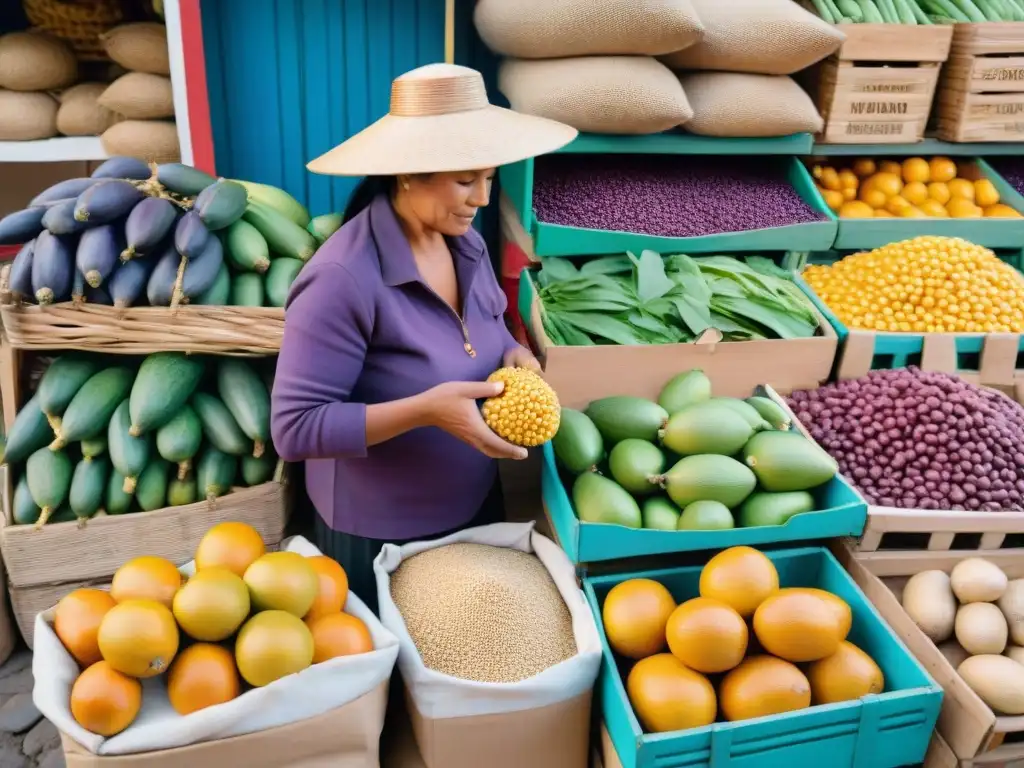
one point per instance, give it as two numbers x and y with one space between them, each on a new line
440 120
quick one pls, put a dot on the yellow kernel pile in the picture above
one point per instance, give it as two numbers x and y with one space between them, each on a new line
527 412
924 285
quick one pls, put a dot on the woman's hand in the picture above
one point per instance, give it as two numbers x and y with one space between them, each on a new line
452 407
521 357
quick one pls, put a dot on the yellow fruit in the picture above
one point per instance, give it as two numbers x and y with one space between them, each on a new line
797 627
961 188
916 169
830 178
272 645
873 197
202 676
667 696
105 701
234 546
939 192
836 603
890 166
707 635
864 167
848 179
635 613
942 169
77 620
934 208
856 209
896 204
915 192
761 686
333 591
282 581
985 193
816 171
833 198
849 193
741 577
912 212
139 638
212 605
1001 211
146 578
963 208
846 675
881 213
526 412
888 183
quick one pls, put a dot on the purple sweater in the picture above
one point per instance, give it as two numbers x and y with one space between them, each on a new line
361 328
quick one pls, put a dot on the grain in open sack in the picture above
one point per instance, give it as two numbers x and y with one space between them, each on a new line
139 47
140 96
35 61
484 613
153 140
597 94
737 104
80 113
771 37
549 29
27 116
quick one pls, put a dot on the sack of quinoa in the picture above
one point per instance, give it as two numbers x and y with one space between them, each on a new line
498 649
743 105
550 29
597 94
771 37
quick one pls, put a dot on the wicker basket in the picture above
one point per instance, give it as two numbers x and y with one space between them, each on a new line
78 22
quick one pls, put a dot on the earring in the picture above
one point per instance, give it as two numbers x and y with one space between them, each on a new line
405 185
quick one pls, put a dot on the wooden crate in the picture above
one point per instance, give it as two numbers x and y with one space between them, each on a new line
878 88
969 728
981 90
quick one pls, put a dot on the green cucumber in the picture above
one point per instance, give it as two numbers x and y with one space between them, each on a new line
247 290
256 471
61 382
89 487
91 408
182 491
30 432
151 492
118 502
165 382
215 473
284 236
322 227
49 480
245 395
219 426
246 248
279 279
94 446
216 295
25 511
179 439
278 199
129 454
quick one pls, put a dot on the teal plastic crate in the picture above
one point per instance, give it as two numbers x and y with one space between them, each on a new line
993 233
556 240
682 143
842 512
878 731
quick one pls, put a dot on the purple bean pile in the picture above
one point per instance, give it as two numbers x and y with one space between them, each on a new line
666 196
917 440
1011 169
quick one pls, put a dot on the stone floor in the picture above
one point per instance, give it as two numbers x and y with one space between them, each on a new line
26 739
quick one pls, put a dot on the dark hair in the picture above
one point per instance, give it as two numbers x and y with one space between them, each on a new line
365 192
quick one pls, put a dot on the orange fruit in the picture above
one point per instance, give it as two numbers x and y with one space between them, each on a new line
856 209
942 169
333 587
282 581
890 166
668 696
761 686
798 626
916 170
76 622
635 613
104 701
212 605
939 192
234 546
846 675
836 603
139 638
915 192
202 676
338 634
272 645
896 204
864 167
707 635
934 208
875 198
1002 211
985 193
962 208
146 578
961 188
741 577
889 183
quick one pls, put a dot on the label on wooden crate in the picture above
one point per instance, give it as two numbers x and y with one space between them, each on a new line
873 132
979 117
1002 73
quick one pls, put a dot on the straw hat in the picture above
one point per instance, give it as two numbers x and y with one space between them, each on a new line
440 120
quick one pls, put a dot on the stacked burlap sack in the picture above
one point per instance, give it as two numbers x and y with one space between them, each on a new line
714 67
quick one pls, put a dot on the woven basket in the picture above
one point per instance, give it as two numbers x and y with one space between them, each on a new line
78 22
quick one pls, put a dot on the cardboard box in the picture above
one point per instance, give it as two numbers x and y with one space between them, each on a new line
346 737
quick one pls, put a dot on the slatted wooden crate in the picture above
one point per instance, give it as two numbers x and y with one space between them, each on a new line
878 88
981 91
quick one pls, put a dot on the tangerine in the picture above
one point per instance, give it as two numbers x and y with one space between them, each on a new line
846 675
338 634
333 587
105 701
202 676
212 605
146 578
77 620
139 638
761 686
798 626
740 577
231 545
635 614
668 696
707 635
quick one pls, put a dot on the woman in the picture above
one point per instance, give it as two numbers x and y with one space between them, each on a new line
393 327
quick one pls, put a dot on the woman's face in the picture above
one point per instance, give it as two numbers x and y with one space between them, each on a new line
447 202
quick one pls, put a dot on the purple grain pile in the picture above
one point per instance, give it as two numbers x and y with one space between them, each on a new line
918 440
1011 169
666 196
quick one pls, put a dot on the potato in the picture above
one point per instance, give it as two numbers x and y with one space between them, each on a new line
1014 652
1012 606
998 681
977 581
928 600
981 628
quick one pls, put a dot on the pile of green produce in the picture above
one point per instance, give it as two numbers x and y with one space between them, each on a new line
918 11
134 234
114 435
689 461
651 300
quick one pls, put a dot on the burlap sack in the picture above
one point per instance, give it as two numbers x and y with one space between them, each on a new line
772 37
600 94
745 105
549 29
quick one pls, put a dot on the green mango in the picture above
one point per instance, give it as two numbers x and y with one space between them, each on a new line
578 444
600 500
788 461
684 390
706 516
634 464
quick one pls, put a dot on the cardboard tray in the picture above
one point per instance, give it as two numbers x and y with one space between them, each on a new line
878 731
